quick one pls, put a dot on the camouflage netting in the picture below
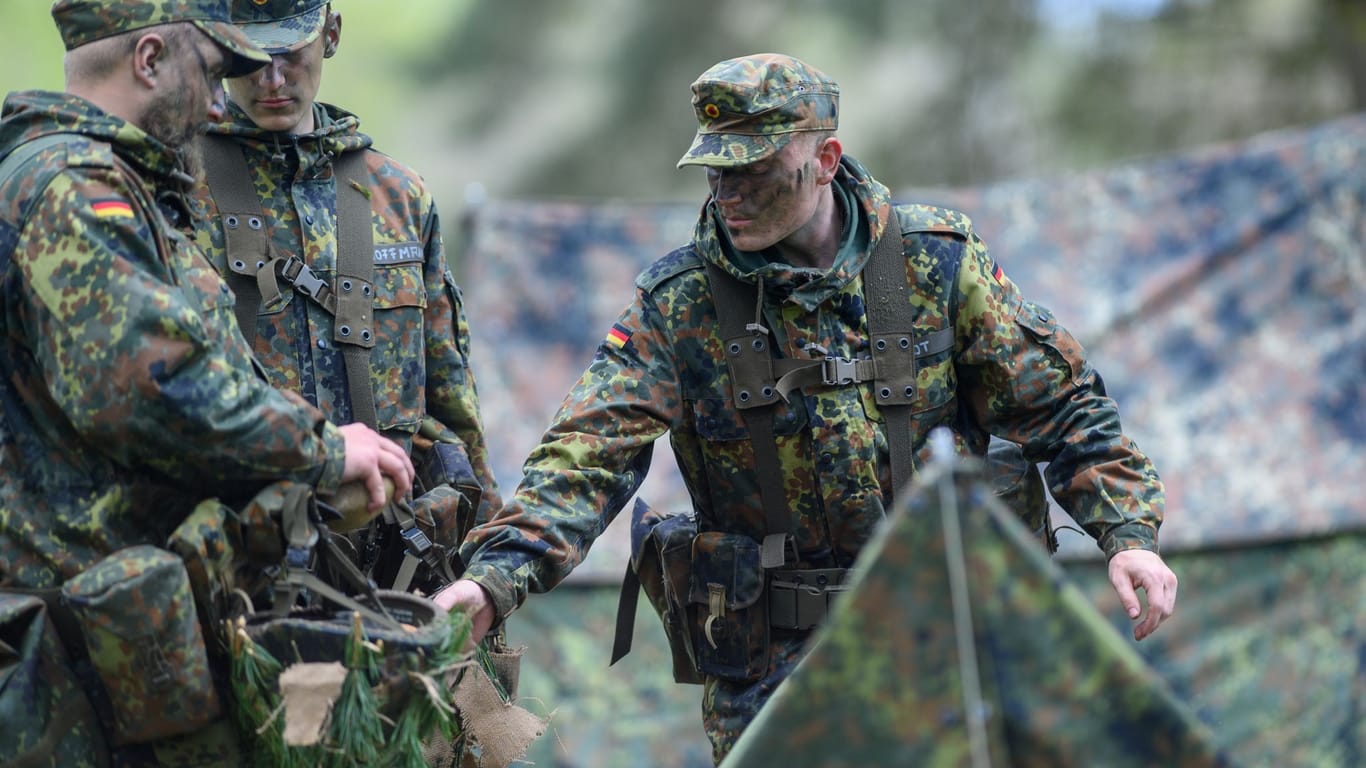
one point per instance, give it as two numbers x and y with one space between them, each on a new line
1218 291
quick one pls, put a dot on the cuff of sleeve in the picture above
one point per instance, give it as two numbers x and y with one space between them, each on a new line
334 459
1129 536
502 592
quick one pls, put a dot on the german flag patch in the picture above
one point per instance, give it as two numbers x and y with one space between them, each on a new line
111 208
997 273
618 336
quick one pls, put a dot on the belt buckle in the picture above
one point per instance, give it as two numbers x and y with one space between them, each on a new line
837 371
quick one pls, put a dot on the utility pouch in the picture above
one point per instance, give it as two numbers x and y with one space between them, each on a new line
661 560
45 717
438 463
136 612
728 612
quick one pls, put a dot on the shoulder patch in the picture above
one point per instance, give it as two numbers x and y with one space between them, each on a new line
677 262
932 218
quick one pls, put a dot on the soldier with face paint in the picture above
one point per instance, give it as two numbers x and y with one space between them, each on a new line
798 352
294 191
128 395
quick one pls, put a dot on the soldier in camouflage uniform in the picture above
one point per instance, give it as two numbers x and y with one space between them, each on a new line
128 393
295 161
797 225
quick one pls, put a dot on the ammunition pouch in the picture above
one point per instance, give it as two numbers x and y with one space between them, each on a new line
661 559
441 461
141 632
727 607
801 600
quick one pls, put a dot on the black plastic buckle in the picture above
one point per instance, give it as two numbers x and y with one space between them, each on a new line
416 541
838 371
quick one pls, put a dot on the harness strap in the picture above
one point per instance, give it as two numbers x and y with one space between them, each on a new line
891 320
354 327
755 394
759 380
241 214
253 273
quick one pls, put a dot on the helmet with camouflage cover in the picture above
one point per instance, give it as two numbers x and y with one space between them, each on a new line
750 107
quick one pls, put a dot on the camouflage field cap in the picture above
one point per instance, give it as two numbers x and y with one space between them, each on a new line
750 107
280 26
85 21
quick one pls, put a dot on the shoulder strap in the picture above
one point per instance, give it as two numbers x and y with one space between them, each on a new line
746 346
242 216
891 320
354 328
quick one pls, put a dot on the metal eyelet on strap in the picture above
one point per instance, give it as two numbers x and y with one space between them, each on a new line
758 345
904 343
239 264
767 392
365 335
910 392
230 222
254 222
881 344
734 348
744 396
365 289
346 285
885 393
344 330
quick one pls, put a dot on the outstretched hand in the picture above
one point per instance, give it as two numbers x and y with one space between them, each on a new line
471 598
1134 569
370 457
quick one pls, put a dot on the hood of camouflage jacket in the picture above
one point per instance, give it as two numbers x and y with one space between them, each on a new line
28 115
857 190
334 131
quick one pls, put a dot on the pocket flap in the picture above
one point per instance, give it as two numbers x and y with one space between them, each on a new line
730 560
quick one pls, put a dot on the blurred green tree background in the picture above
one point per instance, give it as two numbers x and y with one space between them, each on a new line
589 98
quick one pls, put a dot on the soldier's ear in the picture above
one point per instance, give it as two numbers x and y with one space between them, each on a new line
149 56
331 34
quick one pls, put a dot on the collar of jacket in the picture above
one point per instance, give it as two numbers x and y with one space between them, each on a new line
857 190
335 131
30 114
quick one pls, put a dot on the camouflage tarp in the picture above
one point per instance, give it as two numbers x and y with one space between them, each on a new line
1218 291
961 644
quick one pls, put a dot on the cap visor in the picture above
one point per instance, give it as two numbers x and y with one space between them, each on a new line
730 150
244 58
276 37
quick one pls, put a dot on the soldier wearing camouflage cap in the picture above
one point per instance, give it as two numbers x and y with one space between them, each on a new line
129 394
798 352
306 171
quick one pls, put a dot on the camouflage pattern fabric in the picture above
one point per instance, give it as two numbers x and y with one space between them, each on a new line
420 361
279 26
85 21
129 394
1217 288
45 718
962 644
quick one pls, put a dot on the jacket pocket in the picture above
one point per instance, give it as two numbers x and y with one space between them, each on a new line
398 361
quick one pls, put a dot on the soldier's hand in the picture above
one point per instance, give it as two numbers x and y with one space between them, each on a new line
1134 569
370 457
471 598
